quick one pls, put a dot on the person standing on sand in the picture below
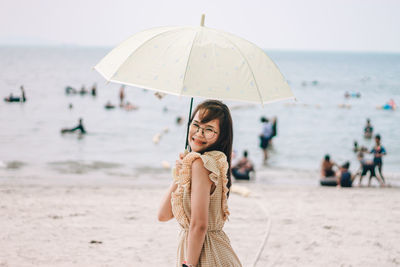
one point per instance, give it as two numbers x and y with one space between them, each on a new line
378 151
197 197
365 167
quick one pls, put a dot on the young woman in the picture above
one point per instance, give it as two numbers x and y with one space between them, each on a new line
198 196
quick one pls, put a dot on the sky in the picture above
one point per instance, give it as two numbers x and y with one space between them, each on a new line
321 25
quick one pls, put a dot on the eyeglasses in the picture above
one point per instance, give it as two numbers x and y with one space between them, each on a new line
207 132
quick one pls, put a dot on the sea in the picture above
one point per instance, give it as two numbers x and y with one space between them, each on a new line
121 143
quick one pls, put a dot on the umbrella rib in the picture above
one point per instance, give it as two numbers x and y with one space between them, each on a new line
187 64
248 64
145 42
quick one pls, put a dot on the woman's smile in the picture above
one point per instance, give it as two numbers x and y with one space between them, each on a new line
203 135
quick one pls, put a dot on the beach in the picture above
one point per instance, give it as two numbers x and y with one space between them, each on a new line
85 221
92 200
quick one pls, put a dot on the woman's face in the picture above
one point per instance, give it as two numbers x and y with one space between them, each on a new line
203 135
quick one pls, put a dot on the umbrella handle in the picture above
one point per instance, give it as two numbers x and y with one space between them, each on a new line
188 125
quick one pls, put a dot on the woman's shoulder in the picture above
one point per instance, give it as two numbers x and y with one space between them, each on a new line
214 161
215 154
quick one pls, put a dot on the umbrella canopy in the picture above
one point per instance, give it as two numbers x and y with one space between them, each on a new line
196 62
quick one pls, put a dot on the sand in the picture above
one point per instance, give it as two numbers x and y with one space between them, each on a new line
114 224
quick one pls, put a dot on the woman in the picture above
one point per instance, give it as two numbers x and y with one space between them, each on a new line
198 196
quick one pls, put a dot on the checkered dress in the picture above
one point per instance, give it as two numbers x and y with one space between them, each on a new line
216 250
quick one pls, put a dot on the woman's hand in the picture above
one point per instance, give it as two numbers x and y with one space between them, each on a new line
178 163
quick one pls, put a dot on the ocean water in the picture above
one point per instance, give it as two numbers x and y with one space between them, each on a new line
121 143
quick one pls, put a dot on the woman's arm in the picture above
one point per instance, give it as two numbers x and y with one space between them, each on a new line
165 211
200 200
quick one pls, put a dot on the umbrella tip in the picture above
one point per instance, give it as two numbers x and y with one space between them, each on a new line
203 17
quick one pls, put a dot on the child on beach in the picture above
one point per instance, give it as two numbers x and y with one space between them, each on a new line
197 198
345 179
365 167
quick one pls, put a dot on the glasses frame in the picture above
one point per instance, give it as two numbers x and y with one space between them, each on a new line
202 130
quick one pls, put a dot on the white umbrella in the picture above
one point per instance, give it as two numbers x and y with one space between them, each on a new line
196 62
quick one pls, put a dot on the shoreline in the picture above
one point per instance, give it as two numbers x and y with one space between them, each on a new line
265 175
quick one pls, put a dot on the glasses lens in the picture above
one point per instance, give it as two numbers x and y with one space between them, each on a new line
209 133
194 127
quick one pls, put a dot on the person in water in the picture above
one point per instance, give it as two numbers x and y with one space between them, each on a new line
274 129
344 178
265 136
241 170
12 98
83 90
121 95
378 151
109 105
368 129
391 105
94 90
70 90
356 147
23 96
327 167
197 198
79 127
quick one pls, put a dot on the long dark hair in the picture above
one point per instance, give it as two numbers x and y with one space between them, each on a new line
214 109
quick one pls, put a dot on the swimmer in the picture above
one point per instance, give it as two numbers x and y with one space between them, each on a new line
79 127
128 106
159 95
94 89
70 90
355 147
121 95
368 129
12 98
109 105
179 120
352 94
83 90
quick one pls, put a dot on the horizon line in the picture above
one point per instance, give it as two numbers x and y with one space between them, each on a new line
59 45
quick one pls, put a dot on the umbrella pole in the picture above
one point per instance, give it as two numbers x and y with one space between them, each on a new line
188 125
